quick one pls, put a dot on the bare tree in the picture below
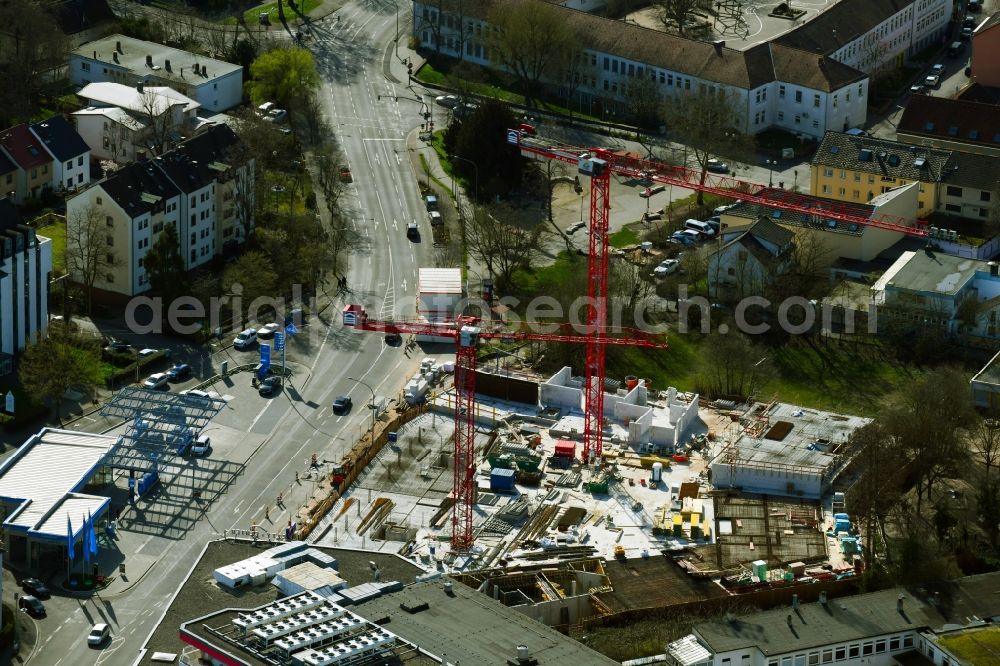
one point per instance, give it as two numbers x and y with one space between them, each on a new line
710 123
32 47
156 112
675 14
985 442
531 40
493 239
88 254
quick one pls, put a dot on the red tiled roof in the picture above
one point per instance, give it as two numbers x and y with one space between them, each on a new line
25 149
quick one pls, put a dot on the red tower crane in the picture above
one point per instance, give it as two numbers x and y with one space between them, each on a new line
599 164
467 332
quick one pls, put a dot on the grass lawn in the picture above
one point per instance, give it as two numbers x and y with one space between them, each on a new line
57 232
975 647
627 236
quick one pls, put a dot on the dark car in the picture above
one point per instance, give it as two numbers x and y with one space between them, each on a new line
270 386
36 587
117 346
342 404
179 372
31 606
393 339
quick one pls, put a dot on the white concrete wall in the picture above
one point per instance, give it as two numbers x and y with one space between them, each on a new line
26 272
558 391
769 481
219 94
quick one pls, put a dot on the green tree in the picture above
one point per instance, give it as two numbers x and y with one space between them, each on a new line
53 366
252 277
165 265
711 124
482 140
675 14
531 40
283 75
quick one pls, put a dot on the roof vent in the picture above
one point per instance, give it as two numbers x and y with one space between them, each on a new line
865 155
118 47
882 154
166 64
920 162
893 160
899 602
834 149
149 60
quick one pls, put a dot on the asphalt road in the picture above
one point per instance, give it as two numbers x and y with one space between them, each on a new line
382 276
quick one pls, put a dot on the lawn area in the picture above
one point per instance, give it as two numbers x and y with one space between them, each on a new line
57 232
252 15
627 236
975 647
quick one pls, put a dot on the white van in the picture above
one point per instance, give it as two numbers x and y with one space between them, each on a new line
703 228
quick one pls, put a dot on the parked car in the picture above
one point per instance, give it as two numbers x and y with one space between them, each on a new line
575 227
36 587
201 446
179 372
265 108
916 88
682 238
276 115
932 80
342 404
666 267
717 166
157 380
969 21
268 330
198 394
937 68
270 386
31 605
99 633
966 33
447 101
975 6
393 339
245 339
117 346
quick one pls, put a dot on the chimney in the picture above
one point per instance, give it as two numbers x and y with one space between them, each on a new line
114 56
719 44
994 268
789 620
149 60
138 87
795 601
95 55
118 47
140 156
822 598
204 71
166 64
899 602
523 655
182 72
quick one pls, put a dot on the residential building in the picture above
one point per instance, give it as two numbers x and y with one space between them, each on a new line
33 175
25 265
872 35
771 84
856 168
986 385
8 176
933 290
894 626
161 117
70 153
747 260
985 61
203 187
216 85
951 124
808 80
837 238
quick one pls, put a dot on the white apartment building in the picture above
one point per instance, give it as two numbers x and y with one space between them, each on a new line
216 85
180 188
25 266
808 80
70 153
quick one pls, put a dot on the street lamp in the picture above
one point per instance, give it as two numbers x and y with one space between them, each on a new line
771 164
475 167
372 406
395 4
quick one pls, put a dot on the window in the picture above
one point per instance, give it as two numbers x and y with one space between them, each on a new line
907 641
69 164
854 651
954 191
856 195
798 96
857 178
816 101
843 174
871 178
781 115
194 219
194 238
69 183
158 227
798 119
984 196
841 654
614 66
880 645
607 63
194 255
827 656
109 277
34 173
815 124
79 160
826 189
110 240
781 92
894 643
841 191
45 169
828 172
835 101
98 200
110 258
953 208
85 66
193 201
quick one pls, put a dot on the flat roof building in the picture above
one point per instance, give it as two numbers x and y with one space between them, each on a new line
215 84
